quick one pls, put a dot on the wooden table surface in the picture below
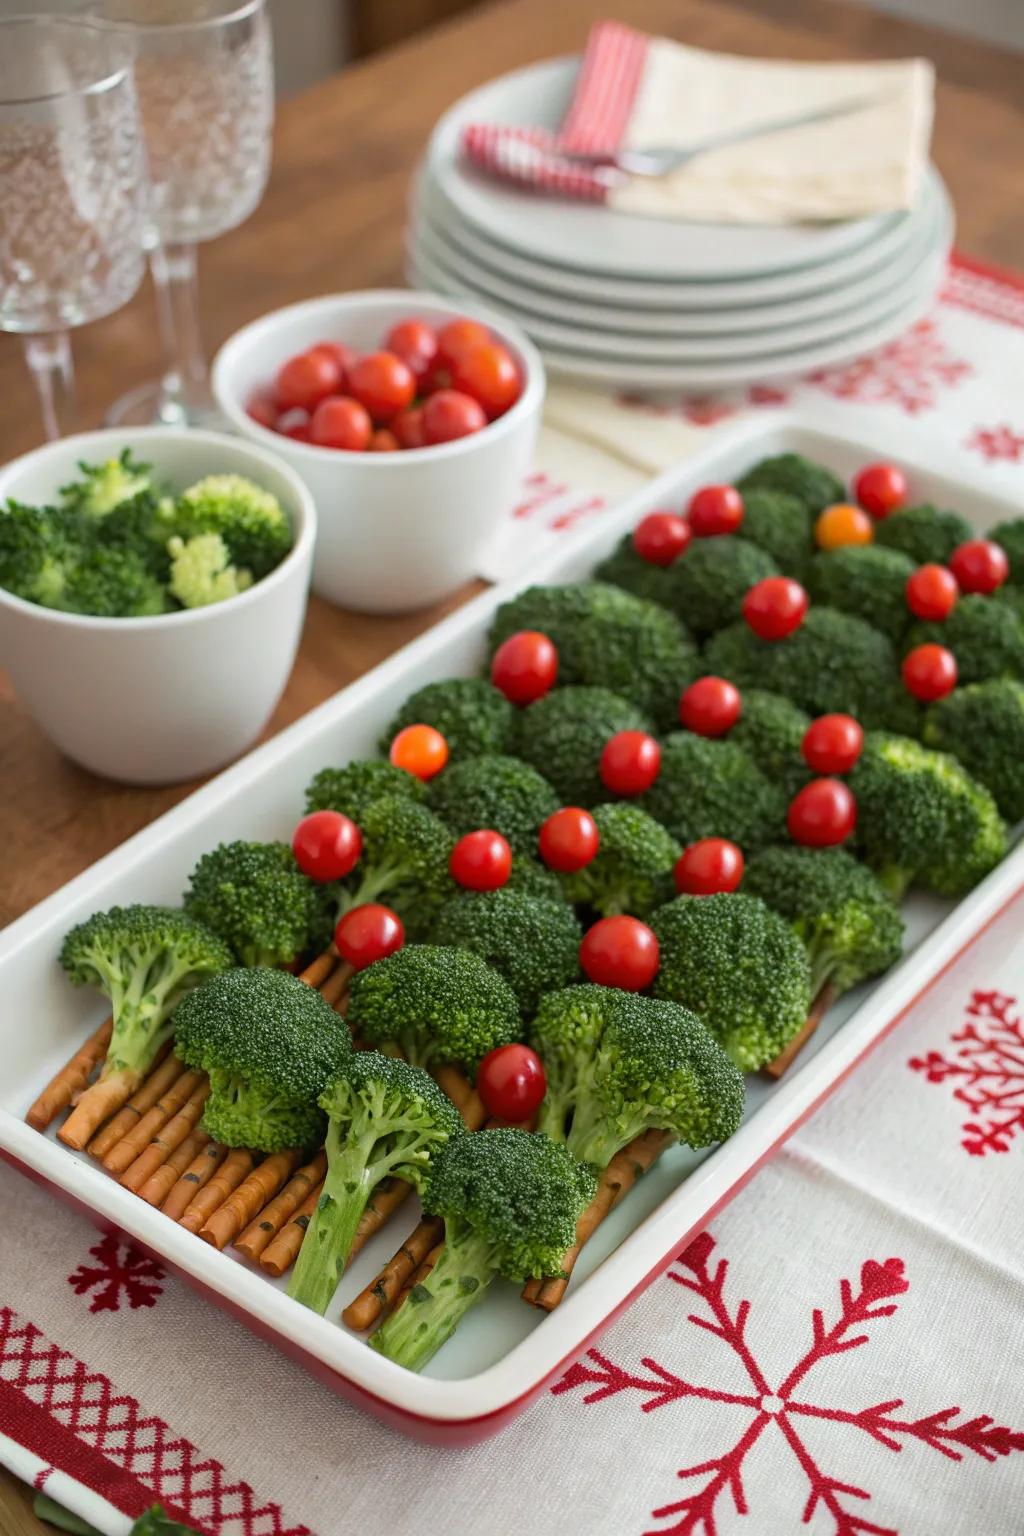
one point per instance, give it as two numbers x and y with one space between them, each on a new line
332 219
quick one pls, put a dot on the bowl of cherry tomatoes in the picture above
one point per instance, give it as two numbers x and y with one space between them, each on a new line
412 420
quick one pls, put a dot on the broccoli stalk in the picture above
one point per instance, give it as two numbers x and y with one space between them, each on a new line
632 870
384 1118
404 862
257 899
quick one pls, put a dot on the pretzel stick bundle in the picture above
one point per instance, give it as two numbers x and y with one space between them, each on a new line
196 1176
124 1152
380 1295
71 1079
166 1069
267 1223
170 1138
235 1167
281 1253
250 1197
158 1186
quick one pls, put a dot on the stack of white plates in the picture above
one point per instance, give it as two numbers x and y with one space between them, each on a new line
641 303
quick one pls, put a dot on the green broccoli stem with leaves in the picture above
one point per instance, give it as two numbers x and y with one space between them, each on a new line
433 1309
141 1003
350 1180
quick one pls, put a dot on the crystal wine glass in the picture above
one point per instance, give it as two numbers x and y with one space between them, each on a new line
71 180
205 79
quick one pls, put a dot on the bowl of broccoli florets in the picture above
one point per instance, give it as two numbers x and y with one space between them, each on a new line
152 590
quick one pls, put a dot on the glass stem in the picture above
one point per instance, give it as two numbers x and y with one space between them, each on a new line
49 359
185 389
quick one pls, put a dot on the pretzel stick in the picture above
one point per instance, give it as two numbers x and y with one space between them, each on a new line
820 1006
420 1275
318 970
378 1297
124 1152
165 1069
72 1077
272 1218
225 1181
454 1082
282 1252
170 1138
196 1176
100 1100
159 1184
331 990
250 1196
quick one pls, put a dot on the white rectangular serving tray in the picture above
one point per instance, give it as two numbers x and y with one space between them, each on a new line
505 1352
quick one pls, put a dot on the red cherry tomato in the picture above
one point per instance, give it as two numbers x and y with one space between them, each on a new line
408 428
263 409
525 666
715 509
306 379
932 592
459 336
929 672
568 840
880 489
630 762
342 353
327 845
620 952
660 537
415 342
832 743
980 565
299 431
823 814
489 375
341 422
775 607
420 750
511 1082
383 441
481 861
707 867
710 706
368 933
449 414
383 383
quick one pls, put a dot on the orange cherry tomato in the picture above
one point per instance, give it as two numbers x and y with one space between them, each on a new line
843 524
420 750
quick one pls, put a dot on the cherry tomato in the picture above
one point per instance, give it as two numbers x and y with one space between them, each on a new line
511 1082
630 762
620 952
710 706
459 336
775 607
420 750
481 861
368 933
343 354
880 489
408 428
568 840
383 441
525 666
980 565
841 525
715 509
415 342
708 867
823 814
383 383
660 537
832 743
931 592
449 414
929 672
299 431
489 375
263 409
341 422
327 845
306 379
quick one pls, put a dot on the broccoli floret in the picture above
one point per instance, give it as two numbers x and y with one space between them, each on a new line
711 578
771 729
632 871
922 819
510 1203
559 612
566 1032
711 788
385 1119
472 716
626 569
1010 536
38 549
201 571
645 655
740 967
926 534
145 959
564 733
534 879
143 526
257 899
113 583
781 525
270 1045
501 793
250 520
103 487
836 906
533 943
983 726
1012 596
985 636
404 863
868 581
354 788
813 484
436 1005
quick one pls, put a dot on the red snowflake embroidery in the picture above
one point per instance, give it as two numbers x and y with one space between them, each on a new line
988 1068
119 1267
707 410
908 373
699 1513
1000 442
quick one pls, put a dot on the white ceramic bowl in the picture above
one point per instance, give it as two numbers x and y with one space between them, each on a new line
396 530
157 700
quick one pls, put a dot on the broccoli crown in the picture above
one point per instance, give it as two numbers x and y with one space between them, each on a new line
771 729
560 613
270 1045
868 581
983 726
534 879
711 578
645 655
1010 536
102 487
143 525
250 520
257 898
37 551
533 943
921 818
1012 596
566 1031
435 1004
632 871
563 735
711 788
113 583
837 907
471 714
502 793
813 484
986 637
626 569
201 571
404 862
925 533
740 967
354 788
780 524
